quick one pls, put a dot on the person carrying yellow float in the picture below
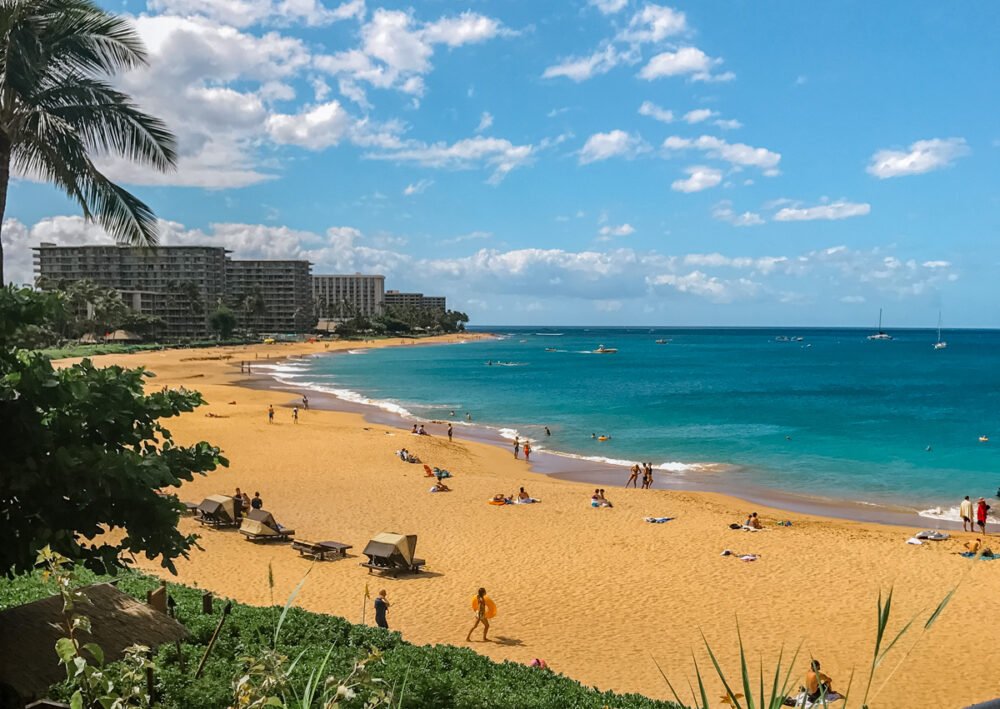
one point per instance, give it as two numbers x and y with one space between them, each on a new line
484 608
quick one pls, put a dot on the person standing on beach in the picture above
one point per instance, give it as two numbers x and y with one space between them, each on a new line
965 510
295 414
527 451
480 606
381 607
981 509
633 476
449 433
517 446
305 402
270 414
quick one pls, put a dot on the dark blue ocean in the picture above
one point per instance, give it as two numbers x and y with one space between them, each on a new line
833 415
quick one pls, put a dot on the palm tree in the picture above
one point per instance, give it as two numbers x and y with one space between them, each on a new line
57 110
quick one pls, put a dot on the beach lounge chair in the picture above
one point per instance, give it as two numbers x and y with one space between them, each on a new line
260 526
217 511
320 550
390 552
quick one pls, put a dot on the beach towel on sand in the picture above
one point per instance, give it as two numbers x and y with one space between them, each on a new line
802 701
971 555
657 520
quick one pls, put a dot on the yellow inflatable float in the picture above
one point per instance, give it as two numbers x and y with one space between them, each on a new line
491 607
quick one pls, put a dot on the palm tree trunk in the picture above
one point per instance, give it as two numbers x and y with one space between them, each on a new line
4 180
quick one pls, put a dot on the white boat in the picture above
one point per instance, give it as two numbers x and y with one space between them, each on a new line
940 344
880 335
601 349
662 342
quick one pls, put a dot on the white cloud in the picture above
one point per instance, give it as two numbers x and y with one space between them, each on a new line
500 155
654 23
686 61
244 13
317 128
709 287
734 153
582 68
609 7
608 231
485 121
853 299
728 123
936 264
922 156
648 108
417 187
831 211
698 115
698 178
471 236
601 146
723 212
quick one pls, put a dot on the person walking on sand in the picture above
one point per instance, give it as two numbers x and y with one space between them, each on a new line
484 609
517 446
270 413
449 432
965 510
981 509
527 452
381 607
633 477
295 414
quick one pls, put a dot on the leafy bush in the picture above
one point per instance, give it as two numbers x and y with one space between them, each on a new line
440 676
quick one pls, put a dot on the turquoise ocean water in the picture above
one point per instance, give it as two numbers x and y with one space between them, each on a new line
833 415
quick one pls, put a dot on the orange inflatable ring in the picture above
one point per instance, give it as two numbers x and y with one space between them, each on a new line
491 607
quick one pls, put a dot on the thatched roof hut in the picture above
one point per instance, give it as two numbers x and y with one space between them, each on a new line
28 662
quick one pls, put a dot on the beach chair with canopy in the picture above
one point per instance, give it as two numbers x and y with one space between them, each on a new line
217 511
391 552
260 526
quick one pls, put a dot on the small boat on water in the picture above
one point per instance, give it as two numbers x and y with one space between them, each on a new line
662 342
881 334
601 349
550 349
940 344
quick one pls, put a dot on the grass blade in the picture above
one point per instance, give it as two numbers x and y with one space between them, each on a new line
722 676
744 672
664 676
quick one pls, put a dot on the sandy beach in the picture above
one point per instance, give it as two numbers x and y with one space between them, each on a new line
597 593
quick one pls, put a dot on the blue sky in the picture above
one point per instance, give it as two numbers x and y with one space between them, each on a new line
587 162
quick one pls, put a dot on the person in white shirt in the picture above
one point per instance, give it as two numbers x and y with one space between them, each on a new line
965 509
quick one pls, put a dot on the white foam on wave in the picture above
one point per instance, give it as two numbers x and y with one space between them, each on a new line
950 514
669 466
353 397
358 352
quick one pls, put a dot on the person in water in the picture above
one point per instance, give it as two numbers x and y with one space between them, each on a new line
547 431
481 618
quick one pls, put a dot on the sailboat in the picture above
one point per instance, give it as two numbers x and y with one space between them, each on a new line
880 335
940 344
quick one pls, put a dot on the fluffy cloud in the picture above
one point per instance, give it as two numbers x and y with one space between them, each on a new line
609 7
922 156
698 115
485 121
601 146
698 178
617 274
582 68
723 212
738 154
500 155
831 211
654 23
608 231
244 13
417 187
648 108
686 61
320 127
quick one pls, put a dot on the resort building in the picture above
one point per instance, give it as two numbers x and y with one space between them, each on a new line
396 299
178 284
183 285
271 296
339 297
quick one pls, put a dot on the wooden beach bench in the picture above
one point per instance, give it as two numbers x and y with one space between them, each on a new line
320 550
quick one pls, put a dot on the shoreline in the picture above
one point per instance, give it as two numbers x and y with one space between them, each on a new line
715 478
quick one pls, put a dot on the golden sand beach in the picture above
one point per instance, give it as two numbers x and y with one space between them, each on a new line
597 593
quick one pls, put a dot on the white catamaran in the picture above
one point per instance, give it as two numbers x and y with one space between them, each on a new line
880 335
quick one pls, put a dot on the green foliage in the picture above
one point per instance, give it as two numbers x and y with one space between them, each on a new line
85 449
59 109
421 677
223 322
